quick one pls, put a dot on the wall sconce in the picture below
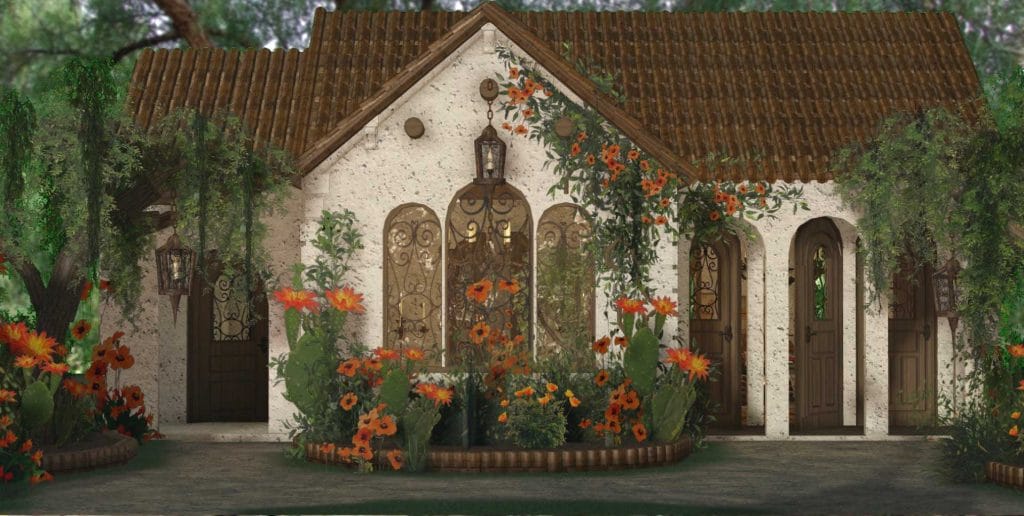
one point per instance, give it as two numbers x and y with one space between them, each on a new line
174 265
490 150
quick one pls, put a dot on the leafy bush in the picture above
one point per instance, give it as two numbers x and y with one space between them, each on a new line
976 436
532 421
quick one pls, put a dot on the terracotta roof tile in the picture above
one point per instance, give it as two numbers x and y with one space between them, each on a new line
788 87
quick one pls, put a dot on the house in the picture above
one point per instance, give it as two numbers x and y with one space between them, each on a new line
781 308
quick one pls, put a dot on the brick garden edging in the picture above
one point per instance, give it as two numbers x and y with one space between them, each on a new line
1005 474
487 460
118 450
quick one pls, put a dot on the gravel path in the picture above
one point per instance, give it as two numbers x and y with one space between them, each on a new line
727 477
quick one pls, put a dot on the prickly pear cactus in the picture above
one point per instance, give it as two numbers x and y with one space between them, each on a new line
36 405
303 363
395 391
641 361
670 405
417 424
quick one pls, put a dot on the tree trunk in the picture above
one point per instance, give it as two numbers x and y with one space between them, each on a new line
185 22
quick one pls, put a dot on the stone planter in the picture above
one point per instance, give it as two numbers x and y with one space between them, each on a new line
1005 474
485 459
106 449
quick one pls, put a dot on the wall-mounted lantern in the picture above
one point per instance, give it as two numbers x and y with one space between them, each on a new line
945 283
490 150
174 264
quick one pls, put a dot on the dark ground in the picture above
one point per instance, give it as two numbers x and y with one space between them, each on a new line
727 477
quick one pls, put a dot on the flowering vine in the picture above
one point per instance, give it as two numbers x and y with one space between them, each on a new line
631 197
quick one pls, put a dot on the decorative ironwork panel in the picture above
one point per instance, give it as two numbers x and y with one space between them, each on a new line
231 317
903 294
705 300
488 231
412 279
820 284
565 279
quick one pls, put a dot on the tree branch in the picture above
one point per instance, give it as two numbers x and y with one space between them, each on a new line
143 43
186 23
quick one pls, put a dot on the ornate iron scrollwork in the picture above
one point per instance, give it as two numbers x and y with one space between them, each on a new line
231 317
565 278
412 278
704 283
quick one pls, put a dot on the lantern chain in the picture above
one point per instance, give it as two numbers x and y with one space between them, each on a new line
490 112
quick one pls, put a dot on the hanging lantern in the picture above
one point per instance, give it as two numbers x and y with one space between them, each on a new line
944 281
490 150
174 265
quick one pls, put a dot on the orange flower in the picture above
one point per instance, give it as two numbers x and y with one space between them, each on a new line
609 152
680 357
7 396
363 435
1014 431
504 403
622 342
631 401
5 421
443 396
574 402
345 300
601 378
345 454
699 367
665 202
114 339
503 418
327 449
513 73
545 399
80 329
37 345
385 353
426 389
349 367
645 165
581 137
759 188
1015 414
742 188
614 427
601 345
396 460
42 477
479 332
479 290
386 426
297 299
103 352
640 432
591 159
512 287
548 92
363 451
348 401
54 368
26 446
660 220
714 215
515 95
86 289
13 333
528 112
645 219
122 358
506 126
664 306
372 364
585 423
8 439
633 154
1016 350
1021 386
414 354
525 391
37 458
25 362
76 389
520 129
630 306
575 149
613 412
552 387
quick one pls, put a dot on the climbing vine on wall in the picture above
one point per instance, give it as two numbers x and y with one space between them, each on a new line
632 198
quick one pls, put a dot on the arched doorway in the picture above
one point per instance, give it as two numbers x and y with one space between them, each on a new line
912 350
818 326
227 350
715 322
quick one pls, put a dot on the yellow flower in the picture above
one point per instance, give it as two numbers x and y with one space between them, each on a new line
569 393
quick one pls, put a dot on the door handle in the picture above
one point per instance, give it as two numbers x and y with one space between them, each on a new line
927 332
808 334
727 333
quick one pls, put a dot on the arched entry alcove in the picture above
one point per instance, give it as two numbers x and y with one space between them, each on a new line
913 381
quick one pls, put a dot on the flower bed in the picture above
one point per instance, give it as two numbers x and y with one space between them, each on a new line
1005 474
106 449
578 457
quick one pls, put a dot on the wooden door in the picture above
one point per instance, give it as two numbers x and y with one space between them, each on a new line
714 320
912 375
819 295
227 353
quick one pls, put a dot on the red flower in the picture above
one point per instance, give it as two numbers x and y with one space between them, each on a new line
104 285
601 378
520 129
480 290
511 287
80 329
122 358
385 353
575 149
645 165
13 334
633 154
528 112
414 354
630 306
54 368
699 367
759 188
660 220
601 345
664 305
1016 350
396 460
76 389
349 367
640 432
715 215
622 342
479 332
513 73
590 159
297 299
345 300
680 357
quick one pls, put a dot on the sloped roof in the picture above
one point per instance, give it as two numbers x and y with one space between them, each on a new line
788 87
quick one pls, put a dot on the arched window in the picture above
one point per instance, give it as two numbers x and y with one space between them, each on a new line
412 279
488 234
565 280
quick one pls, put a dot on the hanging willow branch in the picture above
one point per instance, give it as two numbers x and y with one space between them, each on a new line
202 181
17 123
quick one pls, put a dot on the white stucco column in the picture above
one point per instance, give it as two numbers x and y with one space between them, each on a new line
876 367
776 327
682 253
849 315
755 330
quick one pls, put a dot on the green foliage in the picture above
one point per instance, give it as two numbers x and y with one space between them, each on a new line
36 405
670 405
417 426
308 366
640 361
532 425
975 437
395 391
71 418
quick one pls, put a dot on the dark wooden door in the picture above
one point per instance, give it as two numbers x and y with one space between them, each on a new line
227 353
714 320
912 375
819 266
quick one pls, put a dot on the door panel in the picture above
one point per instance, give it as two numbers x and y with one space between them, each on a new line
227 353
912 369
714 322
818 326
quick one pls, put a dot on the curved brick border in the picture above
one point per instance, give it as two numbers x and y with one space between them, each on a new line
488 460
1005 474
121 450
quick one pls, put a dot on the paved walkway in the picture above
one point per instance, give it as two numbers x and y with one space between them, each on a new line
727 477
